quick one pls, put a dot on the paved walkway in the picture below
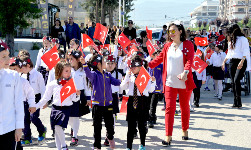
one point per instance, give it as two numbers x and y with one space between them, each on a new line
214 125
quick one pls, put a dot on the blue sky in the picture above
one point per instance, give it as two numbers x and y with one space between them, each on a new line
149 12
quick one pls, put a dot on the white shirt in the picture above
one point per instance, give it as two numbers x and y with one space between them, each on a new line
217 59
88 57
79 77
36 81
29 95
53 89
175 66
128 85
201 76
11 101
39 61
116 88
51 75
241 49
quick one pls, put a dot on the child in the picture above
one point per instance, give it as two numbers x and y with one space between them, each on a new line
216 60
85 98
40 65
37 83
92 51
74 44
102 98
11 102
209 67
157 94
60 111
55 41
29 101
116 93
137 111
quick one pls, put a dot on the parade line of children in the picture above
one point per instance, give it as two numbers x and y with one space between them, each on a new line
100 80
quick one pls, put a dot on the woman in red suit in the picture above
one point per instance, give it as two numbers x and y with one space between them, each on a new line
177 58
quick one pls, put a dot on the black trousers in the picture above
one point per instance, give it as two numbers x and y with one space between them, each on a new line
100 112
7 141
196 92
132 125
155 97
236 75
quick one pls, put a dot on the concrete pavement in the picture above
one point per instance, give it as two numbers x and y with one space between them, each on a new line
214 125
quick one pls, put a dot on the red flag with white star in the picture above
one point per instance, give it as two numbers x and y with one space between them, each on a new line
199 65
51 58
100 33
132 50
123 40
142 79
201 41
149 33
68 89
150 47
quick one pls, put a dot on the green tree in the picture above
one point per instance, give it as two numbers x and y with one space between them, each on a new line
16 13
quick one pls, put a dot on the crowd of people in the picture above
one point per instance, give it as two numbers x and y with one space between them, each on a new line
103 77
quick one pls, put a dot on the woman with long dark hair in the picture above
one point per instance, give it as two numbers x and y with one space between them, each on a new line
239 55
177 58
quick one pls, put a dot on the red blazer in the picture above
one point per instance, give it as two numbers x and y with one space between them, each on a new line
188 55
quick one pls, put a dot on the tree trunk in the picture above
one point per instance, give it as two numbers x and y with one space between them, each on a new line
111 17
9 40
102 11
97 16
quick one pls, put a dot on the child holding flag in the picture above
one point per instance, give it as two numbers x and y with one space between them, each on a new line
40 65
61 109
102 98
137 109
85 98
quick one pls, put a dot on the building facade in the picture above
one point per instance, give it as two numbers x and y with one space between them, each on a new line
207 11
234 9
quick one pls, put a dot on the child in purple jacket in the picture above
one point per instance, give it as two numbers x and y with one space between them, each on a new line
102 98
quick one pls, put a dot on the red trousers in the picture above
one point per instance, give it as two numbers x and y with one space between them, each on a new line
170 97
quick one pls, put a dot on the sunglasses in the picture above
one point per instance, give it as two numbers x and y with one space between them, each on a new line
172 31
130 23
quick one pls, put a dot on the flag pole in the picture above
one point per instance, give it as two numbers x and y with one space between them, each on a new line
119 12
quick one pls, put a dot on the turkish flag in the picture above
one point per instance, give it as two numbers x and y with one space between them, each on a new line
150 47
198 53
86 41
132 50
100 33
142 79
51 58
198 64
209 54
123 108
106 46
123 40
81 50
201 41
68 89
149 33
156 46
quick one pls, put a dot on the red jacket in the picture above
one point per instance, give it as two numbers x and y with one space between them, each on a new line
188 55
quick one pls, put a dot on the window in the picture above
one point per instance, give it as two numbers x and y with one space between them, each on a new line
79 5
212 8
61 4
240 9
249 9
204 14
241 2
211 13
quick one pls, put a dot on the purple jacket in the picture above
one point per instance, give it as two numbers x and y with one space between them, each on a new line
157 73
101 84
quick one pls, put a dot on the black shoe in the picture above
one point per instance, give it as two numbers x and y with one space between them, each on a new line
165 143
196 104
184 137
220 98
150 124
234 106
106 143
